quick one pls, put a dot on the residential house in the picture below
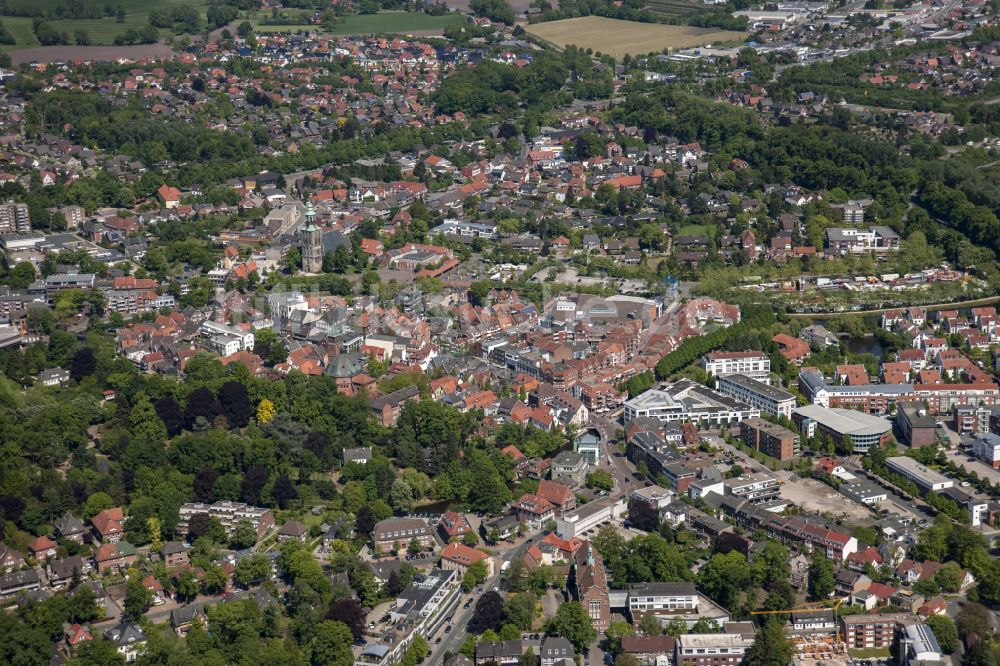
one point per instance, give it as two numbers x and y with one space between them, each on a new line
388 408
114 556
453 526
554 650
459 557
174 554
293 530
109 525
128 639
70 527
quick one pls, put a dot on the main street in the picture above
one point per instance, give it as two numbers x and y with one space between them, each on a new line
451 641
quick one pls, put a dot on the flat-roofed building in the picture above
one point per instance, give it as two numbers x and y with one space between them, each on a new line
589 516
770 438
754 364
917 427
864 492
687 400
987 448
920 643
767 399
863 430
756 488
229 514
711 649
675 598
866 632
926 478
420 610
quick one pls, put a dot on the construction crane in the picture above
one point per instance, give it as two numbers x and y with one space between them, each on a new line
831 604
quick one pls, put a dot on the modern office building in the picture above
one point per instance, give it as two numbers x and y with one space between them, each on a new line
672 597
863 430
420 610
687 400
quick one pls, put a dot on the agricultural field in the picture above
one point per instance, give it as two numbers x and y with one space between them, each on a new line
619 38
100 30
387 22
672 7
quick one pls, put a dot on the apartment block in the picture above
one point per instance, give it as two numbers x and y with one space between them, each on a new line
14 218
770 438
753 364
229 514
863 632
767 399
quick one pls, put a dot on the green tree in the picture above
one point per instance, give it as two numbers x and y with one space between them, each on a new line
252 569
771 647
678 626
187 585
96 503
331 644
573 623
244 535
401 496
146 425
214 580
949 577
946 632
519 610
821 578
474 575
98 652
137 599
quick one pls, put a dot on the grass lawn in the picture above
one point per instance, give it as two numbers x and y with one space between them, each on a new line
869 653
100 30
20 27
695 230
388 22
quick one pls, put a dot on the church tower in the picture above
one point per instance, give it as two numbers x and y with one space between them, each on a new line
312 243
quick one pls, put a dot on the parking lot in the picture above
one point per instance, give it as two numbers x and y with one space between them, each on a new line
961 460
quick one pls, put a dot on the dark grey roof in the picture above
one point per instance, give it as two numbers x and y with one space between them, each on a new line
125 633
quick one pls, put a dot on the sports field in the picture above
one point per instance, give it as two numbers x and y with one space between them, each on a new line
619 38
387 22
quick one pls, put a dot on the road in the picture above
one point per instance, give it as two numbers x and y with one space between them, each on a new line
452 641
621 469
